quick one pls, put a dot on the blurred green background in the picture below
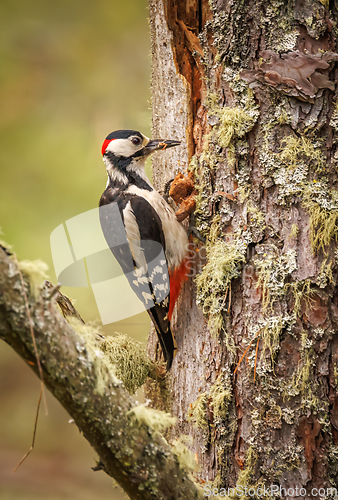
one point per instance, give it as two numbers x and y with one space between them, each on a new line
71 72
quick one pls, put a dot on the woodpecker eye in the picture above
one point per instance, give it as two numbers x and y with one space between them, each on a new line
136 141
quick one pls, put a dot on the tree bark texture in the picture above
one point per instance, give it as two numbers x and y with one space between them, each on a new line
78 374
250 89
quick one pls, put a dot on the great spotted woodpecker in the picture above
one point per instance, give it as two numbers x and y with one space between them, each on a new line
154 256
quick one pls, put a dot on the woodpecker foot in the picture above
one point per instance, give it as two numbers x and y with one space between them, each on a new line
192 229
195 232
167 187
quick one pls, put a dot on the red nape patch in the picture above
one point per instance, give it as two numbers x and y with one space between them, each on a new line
105 145
177 277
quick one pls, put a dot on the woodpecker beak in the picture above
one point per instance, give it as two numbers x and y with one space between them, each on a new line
159 145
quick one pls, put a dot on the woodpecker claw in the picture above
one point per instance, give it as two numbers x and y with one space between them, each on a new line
195 232
166 190
192 229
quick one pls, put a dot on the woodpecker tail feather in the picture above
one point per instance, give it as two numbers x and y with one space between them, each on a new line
165 337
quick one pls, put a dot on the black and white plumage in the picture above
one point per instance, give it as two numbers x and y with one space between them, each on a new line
153 252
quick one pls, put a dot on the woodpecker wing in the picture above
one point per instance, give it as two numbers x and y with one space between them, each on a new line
142 259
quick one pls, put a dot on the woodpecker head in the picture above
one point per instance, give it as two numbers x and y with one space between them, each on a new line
127 150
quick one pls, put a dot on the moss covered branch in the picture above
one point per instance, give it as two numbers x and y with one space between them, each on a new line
125 435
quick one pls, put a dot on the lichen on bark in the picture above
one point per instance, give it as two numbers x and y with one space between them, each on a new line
265 164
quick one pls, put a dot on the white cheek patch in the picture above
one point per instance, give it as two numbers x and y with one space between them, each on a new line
122 147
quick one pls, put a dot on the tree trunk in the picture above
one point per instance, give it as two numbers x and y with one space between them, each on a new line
249 88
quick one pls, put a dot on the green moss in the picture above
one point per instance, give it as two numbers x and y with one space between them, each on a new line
204 191
184 456
229 126
212 101
197 411
297 149
231 123
256 215
299 171
271 332
223 265
256 220
209 157
335 374
221 396
290 168
302 292
234 122
156 420
322 205
294 231
272 272
245 479
132 364
304 381
291 172
325 275
333 465
300 381
36 271
120 356
243 192
104 369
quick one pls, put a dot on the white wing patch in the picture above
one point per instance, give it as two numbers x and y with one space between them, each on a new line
150 278
176 239
147 297
134 240
156 270
162 286
147 279
142 280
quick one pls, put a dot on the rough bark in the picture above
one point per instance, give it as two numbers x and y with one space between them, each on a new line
250 89
78 375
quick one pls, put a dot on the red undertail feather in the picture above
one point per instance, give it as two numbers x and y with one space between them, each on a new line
178 276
